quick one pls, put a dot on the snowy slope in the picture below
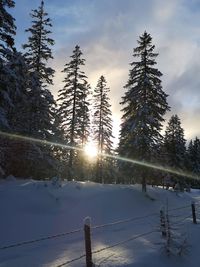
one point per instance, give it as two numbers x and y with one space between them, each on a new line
31 210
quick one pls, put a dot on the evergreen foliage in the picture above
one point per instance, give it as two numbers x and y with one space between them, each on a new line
174 144
7 32
102 126
144 104
38 50
193 156
38 53
23 158
74 106
7 27
38 109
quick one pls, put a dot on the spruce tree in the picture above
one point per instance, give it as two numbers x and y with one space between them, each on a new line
41 101
17 115
37 54
7 27
102 126
174 144
73 106
193 156
144 104
7 32
24 158
38 50
19 83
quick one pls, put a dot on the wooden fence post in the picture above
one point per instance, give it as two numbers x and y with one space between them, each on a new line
194 213
88 250
163 223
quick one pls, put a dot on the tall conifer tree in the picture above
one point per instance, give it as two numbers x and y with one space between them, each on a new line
7 32
25 159
7 27
102 125
144 104
37 54
38 50
193 156
174 143
73 105
41 101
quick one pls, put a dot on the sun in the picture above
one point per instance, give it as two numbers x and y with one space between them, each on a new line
90 149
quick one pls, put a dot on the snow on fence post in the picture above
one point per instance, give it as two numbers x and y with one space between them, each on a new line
88 250
194 213
163 223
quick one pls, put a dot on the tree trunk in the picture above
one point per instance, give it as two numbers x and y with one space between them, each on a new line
144 185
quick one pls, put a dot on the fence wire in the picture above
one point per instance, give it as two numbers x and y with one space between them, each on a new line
80 229
123 242
108 247
180 221
70 261
124 221
40 239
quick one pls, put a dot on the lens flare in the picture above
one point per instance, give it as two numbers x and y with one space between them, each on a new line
90 150
137 162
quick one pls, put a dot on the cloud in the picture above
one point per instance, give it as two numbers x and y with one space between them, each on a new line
164 13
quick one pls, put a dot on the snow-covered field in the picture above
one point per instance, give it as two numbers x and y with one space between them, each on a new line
30 210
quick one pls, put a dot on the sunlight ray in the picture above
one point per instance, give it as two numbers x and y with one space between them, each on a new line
133 161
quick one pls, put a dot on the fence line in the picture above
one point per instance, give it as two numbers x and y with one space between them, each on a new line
73 232
40 239
176 216
108 247
123 221
123 242
179 222
102 226
70 261
180 208
80 229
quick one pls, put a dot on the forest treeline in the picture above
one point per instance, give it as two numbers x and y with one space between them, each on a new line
81 113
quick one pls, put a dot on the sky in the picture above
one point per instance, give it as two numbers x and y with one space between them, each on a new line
107 31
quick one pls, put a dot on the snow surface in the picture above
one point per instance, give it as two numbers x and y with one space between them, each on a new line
34 209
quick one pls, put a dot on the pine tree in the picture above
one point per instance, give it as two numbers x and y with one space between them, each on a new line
174 144
37 55
7 32
144 104
102 125
7 27
38 46
23 158
41 102
73 105
19 83
17 115
193 156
